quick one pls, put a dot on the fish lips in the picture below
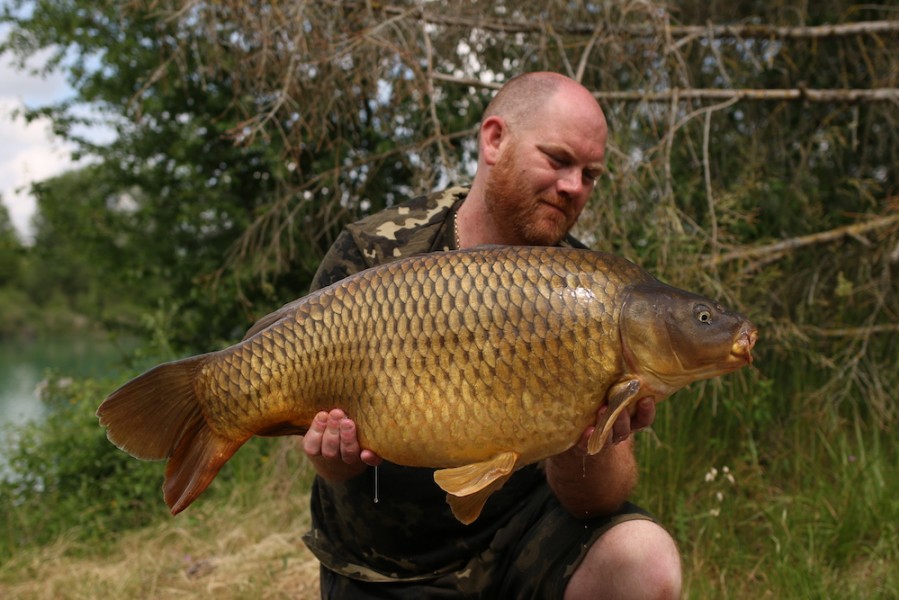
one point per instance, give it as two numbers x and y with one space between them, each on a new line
745 342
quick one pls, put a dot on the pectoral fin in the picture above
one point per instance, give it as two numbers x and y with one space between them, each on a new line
621 396
469 486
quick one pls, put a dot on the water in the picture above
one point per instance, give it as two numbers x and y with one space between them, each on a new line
25 364
377 498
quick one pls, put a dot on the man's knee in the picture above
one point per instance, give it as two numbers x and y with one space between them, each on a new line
634 559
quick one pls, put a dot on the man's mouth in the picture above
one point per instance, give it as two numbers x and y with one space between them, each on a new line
554 206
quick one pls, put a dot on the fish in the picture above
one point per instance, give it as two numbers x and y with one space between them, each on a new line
472 362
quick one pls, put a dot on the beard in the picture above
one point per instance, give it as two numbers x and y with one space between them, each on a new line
518 216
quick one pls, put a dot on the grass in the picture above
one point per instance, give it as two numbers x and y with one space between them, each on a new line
800 503
806 507
242 545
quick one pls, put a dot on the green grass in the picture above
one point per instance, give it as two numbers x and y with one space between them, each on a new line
769 493
803 504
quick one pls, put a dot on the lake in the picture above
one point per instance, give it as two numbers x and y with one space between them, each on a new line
25 364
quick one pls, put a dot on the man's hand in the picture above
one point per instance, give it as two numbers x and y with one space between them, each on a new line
599 484
333 447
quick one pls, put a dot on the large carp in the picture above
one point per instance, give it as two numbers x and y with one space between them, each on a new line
475 362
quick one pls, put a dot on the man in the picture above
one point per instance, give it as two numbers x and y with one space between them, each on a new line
563 529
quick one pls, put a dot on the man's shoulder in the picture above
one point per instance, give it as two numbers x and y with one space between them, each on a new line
427 208
405 229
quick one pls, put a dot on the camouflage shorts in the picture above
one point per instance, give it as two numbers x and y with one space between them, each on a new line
534 556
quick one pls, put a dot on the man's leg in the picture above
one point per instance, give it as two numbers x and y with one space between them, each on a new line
634 559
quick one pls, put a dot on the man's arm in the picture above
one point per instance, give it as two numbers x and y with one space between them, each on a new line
587 485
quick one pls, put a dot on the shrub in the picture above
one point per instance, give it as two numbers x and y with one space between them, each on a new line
63 477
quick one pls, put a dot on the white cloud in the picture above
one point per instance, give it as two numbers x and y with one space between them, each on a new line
28 151
28 85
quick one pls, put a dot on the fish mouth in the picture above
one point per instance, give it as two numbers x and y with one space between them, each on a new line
746 339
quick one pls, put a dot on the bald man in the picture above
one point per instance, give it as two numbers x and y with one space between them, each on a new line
561 529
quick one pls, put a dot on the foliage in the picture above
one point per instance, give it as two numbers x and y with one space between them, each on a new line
155 216
13 302
243 543
61 478
793 504
10 250
64 472
247 134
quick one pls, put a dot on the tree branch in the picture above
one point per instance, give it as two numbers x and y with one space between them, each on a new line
824 95
852 331
776 250
676 31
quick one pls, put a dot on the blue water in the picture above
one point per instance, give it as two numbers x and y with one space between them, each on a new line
24 365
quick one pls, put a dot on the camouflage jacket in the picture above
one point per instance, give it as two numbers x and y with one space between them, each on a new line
404 531
414 227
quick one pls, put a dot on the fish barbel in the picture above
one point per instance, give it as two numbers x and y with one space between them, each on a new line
474 362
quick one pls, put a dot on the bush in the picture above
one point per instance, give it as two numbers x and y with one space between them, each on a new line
63 477
15 312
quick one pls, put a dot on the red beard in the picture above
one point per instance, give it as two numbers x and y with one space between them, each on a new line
520 217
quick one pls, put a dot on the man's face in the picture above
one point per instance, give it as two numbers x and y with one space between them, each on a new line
544 176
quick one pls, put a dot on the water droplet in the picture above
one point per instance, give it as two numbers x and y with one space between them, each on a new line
376 485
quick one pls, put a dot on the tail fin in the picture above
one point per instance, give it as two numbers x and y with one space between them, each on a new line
195 463
157 416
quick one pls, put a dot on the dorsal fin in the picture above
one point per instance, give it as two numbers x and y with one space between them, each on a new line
272 318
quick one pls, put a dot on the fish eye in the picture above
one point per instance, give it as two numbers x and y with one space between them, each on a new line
703 313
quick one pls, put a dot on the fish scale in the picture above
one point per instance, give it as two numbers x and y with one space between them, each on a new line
473 362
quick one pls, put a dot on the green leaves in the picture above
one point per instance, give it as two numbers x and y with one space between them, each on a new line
64 477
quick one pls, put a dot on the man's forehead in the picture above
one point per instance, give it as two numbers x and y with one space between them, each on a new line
556 124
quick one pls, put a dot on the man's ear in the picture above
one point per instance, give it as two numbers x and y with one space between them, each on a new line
493 132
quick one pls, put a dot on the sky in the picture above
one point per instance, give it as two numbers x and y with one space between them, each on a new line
28 152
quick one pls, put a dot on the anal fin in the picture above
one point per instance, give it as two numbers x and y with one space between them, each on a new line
468 508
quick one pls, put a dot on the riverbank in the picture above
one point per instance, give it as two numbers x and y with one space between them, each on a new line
798 502
245 544
813 519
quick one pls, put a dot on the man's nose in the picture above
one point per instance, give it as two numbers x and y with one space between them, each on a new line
571 182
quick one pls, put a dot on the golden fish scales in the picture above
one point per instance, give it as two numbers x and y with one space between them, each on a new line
475 362
410 353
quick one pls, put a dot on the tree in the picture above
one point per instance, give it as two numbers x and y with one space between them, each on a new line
171 194
10 250
13 302
249 132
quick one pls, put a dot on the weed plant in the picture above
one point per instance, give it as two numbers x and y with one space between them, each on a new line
769 496
768 492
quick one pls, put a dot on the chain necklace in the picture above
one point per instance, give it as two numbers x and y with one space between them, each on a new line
456 230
